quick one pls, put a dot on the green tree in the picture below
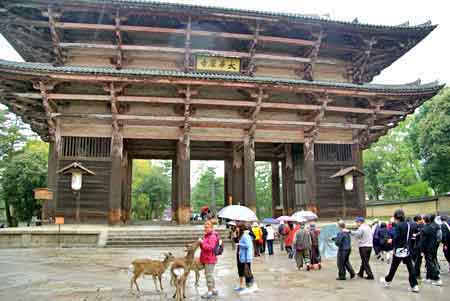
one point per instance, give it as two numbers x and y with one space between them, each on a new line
150 189
392 171
263 180
11 140
21 175
208 185
430 137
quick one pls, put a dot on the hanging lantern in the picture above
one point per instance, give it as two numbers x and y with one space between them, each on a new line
77 180
348 182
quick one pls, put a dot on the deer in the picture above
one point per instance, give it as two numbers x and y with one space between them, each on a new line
146 266
197 266
180 269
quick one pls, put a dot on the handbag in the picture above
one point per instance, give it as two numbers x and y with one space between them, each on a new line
403 252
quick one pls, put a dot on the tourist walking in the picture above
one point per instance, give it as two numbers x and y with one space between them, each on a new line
401 243
270 238
264 238
316 261
416 254
344 243
289 238
245 258
302 243
208 258
445 227
364 237
381 243
257 241
282 234
233 234
428 242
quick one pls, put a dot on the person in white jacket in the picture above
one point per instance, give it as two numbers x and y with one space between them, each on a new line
270 238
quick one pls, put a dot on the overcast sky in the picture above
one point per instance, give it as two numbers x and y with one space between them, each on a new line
428 61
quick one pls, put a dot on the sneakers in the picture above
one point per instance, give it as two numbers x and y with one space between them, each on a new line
437 282
427 281
415 289
239 289
384 282
208 296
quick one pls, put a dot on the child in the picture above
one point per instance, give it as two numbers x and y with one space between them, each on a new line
302 243
344 243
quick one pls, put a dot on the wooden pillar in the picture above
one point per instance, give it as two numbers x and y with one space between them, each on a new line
310 172
174 189
288 180
275 187
52 183
228 182
126 187
357 155
237 176
183 210
249 173
115 184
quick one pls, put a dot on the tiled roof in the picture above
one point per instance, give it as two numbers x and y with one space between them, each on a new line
292 17
44 67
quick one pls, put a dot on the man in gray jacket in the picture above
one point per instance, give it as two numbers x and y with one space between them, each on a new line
364 237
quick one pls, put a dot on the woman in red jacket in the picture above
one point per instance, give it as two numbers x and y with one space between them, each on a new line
208 258
289 238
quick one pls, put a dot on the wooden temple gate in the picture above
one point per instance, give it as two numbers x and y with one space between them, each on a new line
106 82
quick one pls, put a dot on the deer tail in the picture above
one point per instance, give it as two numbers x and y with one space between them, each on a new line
178 272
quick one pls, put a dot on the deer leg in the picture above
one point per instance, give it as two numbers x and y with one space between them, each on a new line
160 281
197 277
184 287
136 276
156 284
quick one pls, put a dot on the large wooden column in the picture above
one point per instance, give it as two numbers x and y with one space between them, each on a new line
52 182
357 154
115 185
237 176
288 181
310 173
127 178
183 183
275 187
174 189
249 173
228 182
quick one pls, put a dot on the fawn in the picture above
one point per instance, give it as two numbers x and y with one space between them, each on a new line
180 269
145 266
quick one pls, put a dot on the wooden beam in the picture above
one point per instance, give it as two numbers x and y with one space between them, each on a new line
275 187
254 114
119 41
187 46
252 51
359 67
57 49
314 130
249 172
309 71
310 171
237 175
209 102
47 107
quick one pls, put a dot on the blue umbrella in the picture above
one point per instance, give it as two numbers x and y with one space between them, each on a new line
269 220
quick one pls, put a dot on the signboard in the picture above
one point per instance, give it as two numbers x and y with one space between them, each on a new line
59 220
217 64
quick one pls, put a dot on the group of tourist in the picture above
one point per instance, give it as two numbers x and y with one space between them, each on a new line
400 241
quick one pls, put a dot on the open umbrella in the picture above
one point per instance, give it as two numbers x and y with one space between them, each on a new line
238 213
285 218
306 215
270 220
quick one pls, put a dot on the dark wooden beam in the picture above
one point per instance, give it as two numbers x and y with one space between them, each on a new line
119 41
358 69
44 88
275 187
313 55
187 46
249 172
59 56
251 64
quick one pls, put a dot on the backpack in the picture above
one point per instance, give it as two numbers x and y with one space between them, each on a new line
218 248
439 235
281 229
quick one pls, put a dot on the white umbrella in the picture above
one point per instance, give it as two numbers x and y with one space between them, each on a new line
238 213
304 215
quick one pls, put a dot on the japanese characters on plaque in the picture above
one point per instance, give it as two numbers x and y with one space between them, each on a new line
217 64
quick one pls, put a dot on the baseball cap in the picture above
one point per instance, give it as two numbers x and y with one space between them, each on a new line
359 219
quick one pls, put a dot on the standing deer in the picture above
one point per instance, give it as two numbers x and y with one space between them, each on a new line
180 269
145 266
197 266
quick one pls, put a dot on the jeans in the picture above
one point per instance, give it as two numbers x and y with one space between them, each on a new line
263 247
289 251
270 246
364 253
409 265
343 263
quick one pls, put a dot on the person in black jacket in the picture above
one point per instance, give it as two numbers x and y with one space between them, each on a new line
416 227
344 243
428 242
400 241
445 227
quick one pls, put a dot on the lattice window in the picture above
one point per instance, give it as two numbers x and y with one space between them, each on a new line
333 152
86 147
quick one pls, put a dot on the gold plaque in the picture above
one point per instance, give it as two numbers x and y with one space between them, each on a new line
217 64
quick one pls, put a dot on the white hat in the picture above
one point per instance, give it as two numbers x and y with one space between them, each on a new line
231 223
255 224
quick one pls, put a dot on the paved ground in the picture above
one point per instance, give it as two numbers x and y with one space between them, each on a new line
101 274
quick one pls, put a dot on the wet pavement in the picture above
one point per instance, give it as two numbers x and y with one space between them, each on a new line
101 274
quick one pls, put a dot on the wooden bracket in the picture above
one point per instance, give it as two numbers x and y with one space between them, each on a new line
252 51
49 110
358 69
253 116
59 55
119 41
308 71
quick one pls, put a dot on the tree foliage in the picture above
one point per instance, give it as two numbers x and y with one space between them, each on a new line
208 185
150 189
392 171
263 179
21 175
430 137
